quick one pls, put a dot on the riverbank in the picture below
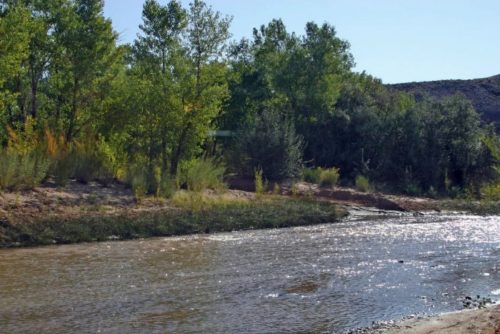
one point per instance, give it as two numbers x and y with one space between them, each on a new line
479 321
389 202
92 212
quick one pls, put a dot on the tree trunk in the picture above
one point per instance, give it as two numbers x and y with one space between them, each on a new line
72 116
174 163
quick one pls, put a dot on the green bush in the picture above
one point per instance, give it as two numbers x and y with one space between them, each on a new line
19 170
363 184
259 182
269 142
139 186
166 187
311 175
201 174
93 161
149 180
329 176
491 192
89 160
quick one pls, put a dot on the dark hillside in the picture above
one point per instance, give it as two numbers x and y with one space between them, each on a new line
483 93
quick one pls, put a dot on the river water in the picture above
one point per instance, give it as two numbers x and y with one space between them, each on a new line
319 279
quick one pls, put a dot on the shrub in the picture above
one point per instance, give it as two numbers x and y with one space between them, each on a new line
22 170
166 187
259 182
311 175
276 189
271 143
201 174
197 201
491 192
413 189
139 186
87 160
23 162
8 169
92 161
146 180
363 184
329 177
62 167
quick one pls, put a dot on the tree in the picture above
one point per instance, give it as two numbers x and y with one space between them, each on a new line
180 79
269 143
14 46
203 95
85 67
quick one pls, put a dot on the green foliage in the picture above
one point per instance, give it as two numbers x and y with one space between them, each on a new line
322 176
156 103
167 187
219 215
150 181
270 143
491 192
23 162
259 182
363 184
22 170
88 160
201 174
14 39
276 189
329 177
311 175
93 161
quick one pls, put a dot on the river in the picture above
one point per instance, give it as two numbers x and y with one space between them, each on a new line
319 279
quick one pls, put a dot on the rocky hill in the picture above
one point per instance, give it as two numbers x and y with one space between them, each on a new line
483 93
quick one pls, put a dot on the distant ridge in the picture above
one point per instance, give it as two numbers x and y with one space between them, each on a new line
483 93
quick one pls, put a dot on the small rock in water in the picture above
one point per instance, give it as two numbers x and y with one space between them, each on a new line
401 261
478 302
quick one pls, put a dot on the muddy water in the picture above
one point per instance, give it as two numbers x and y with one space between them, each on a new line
326 278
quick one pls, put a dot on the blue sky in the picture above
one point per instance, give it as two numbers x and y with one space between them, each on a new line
394 40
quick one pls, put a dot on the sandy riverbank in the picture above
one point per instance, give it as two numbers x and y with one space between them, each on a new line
91 212
477 321
483 321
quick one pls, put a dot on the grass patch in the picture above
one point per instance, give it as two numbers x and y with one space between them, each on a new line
363 184
329 177
217 215
201 174
482 207
311 175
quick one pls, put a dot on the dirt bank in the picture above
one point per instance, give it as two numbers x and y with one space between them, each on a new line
349 197
482 321
92 212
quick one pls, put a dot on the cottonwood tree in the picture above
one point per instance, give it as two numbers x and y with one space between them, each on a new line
178 56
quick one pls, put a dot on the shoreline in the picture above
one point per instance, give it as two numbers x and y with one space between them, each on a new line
88 213
469 321
93 212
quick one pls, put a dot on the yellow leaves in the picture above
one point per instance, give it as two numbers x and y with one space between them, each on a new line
189 108
56 146
13 137
23 141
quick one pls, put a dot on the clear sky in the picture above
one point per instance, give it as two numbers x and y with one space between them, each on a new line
394 40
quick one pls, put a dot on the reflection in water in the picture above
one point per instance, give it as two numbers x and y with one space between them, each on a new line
310 279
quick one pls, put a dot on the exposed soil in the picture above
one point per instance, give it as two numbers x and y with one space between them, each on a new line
351 197
76 199
93 212
482 321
